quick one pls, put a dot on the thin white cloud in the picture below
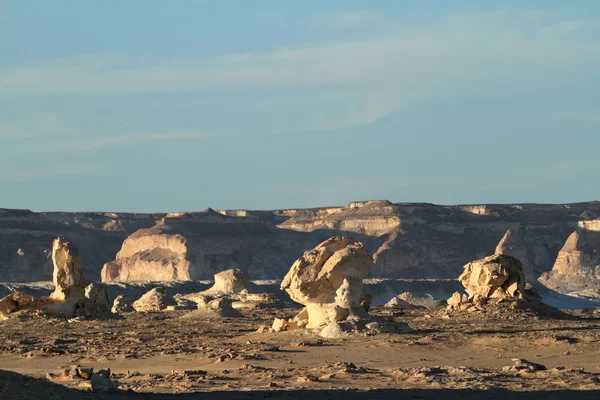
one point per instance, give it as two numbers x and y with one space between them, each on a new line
127 139
347 19
411 58
23 175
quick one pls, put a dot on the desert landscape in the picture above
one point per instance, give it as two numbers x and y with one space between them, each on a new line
311 199
413 300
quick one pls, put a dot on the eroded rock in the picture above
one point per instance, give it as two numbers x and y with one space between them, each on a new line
328 282
155 300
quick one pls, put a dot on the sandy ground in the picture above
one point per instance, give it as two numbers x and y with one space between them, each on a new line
162 353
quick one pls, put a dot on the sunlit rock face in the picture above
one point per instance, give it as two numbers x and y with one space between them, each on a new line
577 267
192 246
407 240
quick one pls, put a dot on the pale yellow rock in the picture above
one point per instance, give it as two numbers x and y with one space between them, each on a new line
231 281
68 276
328 276
492 276
279 325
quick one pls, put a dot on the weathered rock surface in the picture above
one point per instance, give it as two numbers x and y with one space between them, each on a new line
496 276
232 281
123 304
68 273
197 246
13 302
155 300
497 284
397 302
101 381
410 241
327 277
328 282
577 266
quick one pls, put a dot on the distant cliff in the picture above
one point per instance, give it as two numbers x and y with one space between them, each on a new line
408 240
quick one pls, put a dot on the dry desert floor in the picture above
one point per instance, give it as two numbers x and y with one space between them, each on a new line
176 355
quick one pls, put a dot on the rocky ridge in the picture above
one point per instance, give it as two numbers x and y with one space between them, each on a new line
407 240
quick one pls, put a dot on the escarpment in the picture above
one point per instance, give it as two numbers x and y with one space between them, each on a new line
407 240
577 267
192 246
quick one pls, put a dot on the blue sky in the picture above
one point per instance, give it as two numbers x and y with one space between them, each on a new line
182 105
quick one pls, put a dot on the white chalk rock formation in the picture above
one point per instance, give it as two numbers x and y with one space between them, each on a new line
493 277
497 284
330 275
232 281
577 267
68 273
328 282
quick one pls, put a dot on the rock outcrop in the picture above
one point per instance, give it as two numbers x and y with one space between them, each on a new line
513 244
232 281
13 302
497 276
157 299
397 302
197 246
577 267
407 240
72 296
68 273
328 282
496 284
123 304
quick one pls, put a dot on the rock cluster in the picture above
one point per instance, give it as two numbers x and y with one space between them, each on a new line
328 282
100 381
494 284
72 295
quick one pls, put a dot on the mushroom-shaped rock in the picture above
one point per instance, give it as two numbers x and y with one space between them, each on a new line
232 281
330 275
328 281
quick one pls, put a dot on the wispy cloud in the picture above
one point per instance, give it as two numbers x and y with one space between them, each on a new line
100 142
408 58
347 19
380 73
23 175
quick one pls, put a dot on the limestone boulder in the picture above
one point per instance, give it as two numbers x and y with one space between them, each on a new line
13 302
98 295
123 304
495 276
397 302
155 300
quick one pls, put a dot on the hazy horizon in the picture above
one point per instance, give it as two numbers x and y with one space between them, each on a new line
178 106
